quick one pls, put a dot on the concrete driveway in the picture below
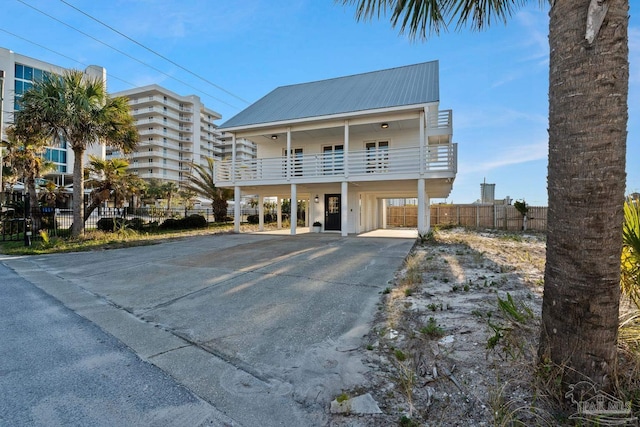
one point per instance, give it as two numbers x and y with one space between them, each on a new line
267 328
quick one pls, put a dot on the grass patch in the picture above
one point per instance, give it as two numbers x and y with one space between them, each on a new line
98 240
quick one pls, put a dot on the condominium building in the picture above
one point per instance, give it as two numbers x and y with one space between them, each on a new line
175 132
19 74
245 149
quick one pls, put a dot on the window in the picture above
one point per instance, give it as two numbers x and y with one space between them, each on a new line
150 170
377 156
333 159
296 161
150 160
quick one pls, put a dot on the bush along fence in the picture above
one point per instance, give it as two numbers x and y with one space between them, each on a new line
502 217
14 226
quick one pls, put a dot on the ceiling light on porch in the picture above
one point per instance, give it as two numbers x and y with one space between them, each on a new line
384 125
274 137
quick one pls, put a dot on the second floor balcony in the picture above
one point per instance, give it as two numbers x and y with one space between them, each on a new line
433 161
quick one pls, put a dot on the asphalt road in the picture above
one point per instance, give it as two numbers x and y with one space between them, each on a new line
59 369
266 328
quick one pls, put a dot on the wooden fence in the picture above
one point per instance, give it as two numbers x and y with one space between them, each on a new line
503 217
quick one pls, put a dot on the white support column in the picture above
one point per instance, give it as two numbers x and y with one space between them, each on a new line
423 226
344 209
289 174
423 142
260 212
307 212
345 155
294 208
233 157
384 203
279 213
236 209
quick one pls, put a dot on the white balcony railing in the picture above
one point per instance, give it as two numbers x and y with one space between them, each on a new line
441 120
438 161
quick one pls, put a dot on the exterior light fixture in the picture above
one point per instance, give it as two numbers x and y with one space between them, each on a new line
316 199
274 137
384 125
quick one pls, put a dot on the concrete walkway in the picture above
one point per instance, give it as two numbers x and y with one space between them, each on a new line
263 327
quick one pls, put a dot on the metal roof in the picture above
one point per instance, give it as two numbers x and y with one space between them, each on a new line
394 87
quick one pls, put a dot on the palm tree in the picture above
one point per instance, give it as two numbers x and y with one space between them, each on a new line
77 109
201 182
168 189
588 90
25 147
109 178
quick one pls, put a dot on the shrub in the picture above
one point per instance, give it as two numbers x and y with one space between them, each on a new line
254 219
111 224
194 221
170 224
136 223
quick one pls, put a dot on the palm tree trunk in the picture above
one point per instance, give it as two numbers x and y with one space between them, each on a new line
78 192
34 206
588 87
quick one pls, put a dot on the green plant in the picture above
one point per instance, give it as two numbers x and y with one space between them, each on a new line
516 312
433 306
630 261
407 422
429 236
400 355
432 329
342 397
386 290
408 292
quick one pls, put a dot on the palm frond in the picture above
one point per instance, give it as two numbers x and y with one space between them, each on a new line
424 18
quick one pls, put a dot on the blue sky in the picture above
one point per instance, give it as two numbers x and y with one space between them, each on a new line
495 81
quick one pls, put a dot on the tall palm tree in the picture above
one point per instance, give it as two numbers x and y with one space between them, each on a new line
588 90
76 108
25 147
201 182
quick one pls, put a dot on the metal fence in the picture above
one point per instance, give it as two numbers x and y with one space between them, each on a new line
503 217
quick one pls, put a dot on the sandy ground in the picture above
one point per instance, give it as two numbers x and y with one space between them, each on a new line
441 351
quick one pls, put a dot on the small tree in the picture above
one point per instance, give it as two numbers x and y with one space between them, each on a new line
521 206
201 182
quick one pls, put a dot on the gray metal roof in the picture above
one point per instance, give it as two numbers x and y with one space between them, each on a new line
409 85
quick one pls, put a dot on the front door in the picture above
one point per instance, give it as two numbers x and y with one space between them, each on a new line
332 217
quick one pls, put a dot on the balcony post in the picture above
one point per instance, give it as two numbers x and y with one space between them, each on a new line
289 155
345 154
293 215
236 209
423 141
279 213
233 157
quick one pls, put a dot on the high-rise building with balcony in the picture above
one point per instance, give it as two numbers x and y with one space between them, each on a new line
175 132
20 73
